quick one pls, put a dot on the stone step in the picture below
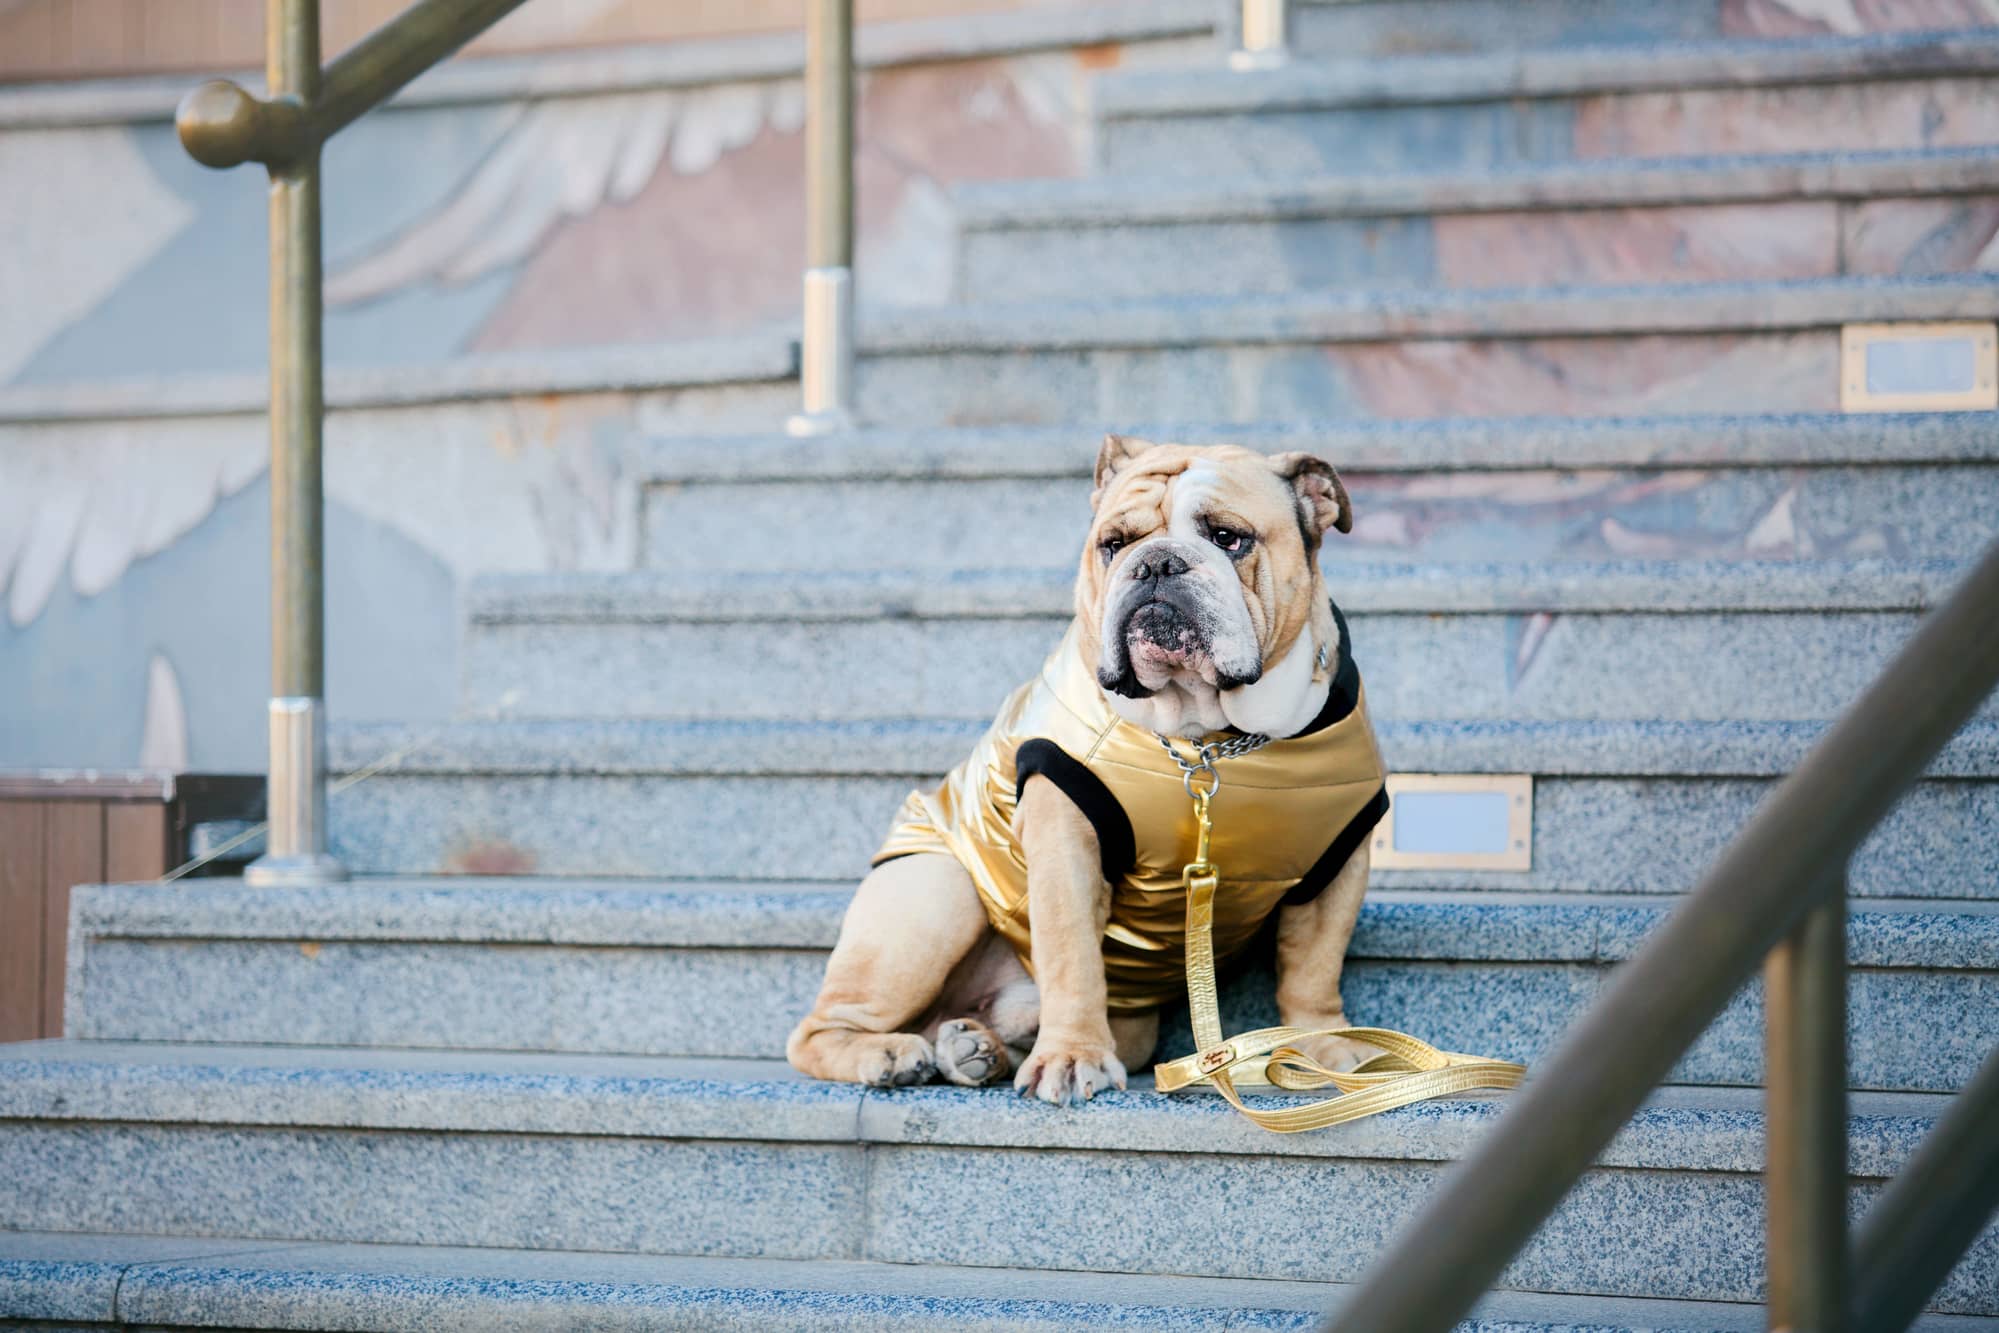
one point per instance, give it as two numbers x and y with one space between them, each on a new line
689 968
1490 491
1574 352
86 1280
1519 642
1323 357
1681 220
1626 807
1494 108
1390 28
744 1160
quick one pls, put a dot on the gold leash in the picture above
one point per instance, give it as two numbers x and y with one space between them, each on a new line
1407 1070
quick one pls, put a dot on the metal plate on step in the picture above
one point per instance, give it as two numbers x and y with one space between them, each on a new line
1948 367
1457 821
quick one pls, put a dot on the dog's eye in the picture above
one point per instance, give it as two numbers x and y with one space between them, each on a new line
1110 546
1230 540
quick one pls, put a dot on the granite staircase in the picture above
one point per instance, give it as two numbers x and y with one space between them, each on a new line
526 1071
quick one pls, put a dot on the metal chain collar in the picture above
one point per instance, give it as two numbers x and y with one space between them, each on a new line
1204 760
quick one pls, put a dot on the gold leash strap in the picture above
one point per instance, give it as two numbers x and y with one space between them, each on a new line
1407 1070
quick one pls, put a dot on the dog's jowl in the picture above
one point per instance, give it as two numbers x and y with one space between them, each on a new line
1026 917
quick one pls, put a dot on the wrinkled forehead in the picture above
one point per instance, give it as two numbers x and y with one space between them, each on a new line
1225 480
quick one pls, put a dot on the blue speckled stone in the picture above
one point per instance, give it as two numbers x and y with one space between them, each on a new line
687 969
1620 807
1612 1236
657 1196
548 1153
421 1289
1587 664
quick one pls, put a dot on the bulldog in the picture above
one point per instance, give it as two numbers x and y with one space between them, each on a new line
1026 916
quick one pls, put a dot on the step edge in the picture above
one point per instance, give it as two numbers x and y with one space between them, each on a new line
1313 318
1396 926
1310 85
1680 1128
431 1280
1365 588
999 207
1709 441
772 358
922 748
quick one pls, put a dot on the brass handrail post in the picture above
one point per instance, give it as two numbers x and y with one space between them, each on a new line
1804 1016
222 126
1763 885
1931 1212
295 849
826 352
1264 44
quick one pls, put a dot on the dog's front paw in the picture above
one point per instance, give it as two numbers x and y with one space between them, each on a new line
1060 1074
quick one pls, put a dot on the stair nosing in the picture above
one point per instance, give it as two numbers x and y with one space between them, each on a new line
1366 588
1427 80
171 1281
1786 306
1721 442
1680 1128
1108 201
1418 315
920 748
1396 926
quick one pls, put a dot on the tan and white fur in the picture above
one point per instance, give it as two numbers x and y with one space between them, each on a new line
919 986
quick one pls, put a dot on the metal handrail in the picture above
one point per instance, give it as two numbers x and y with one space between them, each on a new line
1931 1211
222 125
1777 890
826 345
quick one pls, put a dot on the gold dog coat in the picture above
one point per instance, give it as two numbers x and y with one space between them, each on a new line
1287 818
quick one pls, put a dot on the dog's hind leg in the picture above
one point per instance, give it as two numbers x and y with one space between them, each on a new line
988 1006
910 924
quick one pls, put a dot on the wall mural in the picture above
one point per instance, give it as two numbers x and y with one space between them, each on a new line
132 552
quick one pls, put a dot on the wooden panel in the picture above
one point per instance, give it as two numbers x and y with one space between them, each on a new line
74 854
135 842
20 920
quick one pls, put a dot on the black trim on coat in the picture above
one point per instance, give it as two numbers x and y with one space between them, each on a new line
1044 758
1336 856
1343 695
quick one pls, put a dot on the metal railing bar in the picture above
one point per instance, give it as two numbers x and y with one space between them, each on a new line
296 849
1932 1210
1785 861
223 126
826 344
829 135
1804 1016
291 40
378 66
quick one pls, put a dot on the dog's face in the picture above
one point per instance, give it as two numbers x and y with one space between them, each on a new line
1199 593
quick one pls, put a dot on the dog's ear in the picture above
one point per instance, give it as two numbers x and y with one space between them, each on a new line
1117 452
1322 500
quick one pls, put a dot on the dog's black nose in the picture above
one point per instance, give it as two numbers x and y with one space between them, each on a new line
1157 565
